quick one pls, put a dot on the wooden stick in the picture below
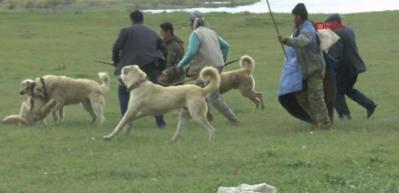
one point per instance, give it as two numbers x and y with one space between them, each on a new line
188 79
275 25
103 62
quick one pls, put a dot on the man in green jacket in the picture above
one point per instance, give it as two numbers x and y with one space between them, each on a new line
173 45
310 58
174 53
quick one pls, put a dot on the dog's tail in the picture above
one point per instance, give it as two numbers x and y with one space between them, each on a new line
247 63
105 82
15 119
212 75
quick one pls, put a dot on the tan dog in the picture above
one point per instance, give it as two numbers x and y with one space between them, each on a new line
66 91
242 80
148 99
33 110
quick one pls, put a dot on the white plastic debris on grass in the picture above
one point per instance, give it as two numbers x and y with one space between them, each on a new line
246 188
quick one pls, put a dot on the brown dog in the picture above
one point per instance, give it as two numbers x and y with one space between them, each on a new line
241 79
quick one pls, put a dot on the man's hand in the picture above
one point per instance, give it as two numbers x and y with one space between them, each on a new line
282 39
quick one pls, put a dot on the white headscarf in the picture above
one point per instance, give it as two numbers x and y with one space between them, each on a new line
196 19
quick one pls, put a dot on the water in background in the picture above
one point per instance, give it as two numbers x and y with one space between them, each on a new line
313 6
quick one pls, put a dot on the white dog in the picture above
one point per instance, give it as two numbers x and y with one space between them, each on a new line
65 91
148 99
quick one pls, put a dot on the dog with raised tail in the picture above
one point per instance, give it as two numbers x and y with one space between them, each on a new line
66 91
149 99
243 80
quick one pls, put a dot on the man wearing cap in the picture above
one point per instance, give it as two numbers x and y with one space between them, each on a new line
312 65
206 48
349 65
141 46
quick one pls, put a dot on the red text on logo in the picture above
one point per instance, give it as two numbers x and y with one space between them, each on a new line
332 25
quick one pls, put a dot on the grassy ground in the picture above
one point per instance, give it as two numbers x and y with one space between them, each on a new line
356 156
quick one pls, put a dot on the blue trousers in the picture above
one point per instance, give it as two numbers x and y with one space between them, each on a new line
124 96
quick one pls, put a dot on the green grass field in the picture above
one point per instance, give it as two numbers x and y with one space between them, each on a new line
357 156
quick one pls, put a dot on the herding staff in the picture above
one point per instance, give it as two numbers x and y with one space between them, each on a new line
112 64
275 26
176 83
103 62
189 78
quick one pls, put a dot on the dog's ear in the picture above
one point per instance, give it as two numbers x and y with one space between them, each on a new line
125 71
138 72
37 88
143 75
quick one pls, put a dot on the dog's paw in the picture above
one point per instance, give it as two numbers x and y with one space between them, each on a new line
211 137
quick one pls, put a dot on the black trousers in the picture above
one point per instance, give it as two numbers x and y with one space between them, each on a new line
152 74
346 87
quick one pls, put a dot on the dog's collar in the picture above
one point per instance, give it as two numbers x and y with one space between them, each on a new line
136 85
44 88
32 103
32 89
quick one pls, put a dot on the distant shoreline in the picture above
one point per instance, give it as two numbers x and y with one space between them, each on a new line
166 6
281 6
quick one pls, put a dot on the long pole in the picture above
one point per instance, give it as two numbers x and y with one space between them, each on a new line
104 62
275 25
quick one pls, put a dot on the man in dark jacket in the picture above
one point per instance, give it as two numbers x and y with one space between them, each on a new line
349 65
141 46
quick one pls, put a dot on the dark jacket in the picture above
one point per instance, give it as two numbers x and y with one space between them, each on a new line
139 45
174 50
346 53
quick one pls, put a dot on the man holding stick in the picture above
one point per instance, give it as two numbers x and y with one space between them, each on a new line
310 59
206 48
